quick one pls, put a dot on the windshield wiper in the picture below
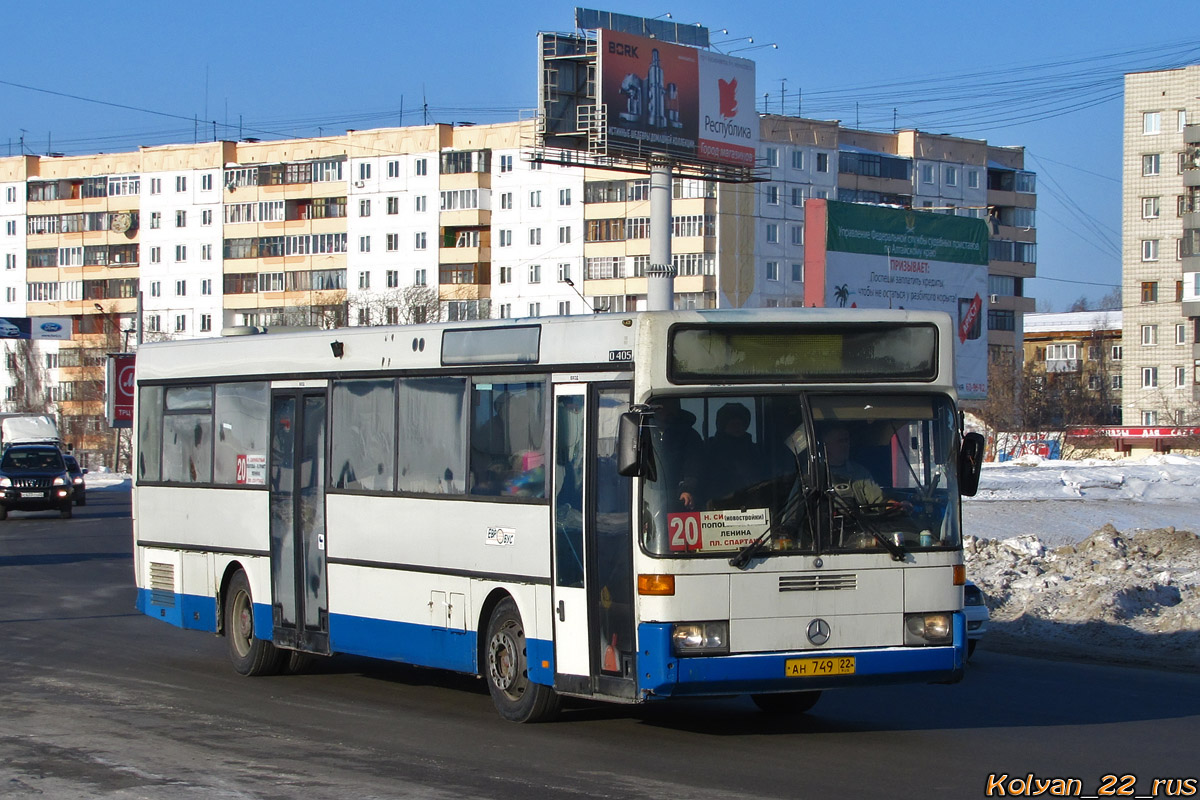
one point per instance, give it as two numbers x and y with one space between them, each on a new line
758 547
898 552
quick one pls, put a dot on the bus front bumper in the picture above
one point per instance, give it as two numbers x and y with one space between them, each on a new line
663 674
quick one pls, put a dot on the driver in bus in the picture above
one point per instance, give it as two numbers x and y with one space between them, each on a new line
849 479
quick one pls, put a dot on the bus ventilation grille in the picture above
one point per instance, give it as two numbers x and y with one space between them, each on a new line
162 584
824 582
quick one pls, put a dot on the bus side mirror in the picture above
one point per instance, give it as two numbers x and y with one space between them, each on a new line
970 462
634 457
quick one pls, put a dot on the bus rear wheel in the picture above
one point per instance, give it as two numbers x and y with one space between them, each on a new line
787 702
250 655
506 667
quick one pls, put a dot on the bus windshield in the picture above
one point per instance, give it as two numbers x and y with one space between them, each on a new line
802 473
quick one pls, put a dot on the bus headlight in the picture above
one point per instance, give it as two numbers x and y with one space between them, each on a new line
929 628
700 638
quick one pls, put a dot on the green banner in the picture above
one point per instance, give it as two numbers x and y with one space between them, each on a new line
871 230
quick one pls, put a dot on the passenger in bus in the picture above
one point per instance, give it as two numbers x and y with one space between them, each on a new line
733 460
680 450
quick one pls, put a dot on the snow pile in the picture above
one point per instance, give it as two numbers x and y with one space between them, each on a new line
1127 597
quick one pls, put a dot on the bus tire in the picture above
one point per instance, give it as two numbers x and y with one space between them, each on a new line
506 668
787 702
250 655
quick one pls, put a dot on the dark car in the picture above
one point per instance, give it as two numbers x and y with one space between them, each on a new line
34 477
77 482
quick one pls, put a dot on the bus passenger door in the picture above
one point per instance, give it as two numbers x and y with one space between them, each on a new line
297 482
569 583
593 583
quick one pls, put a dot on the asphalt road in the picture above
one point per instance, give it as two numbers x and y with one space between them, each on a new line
97 701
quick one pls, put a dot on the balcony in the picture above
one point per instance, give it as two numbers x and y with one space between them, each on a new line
1062 365
465 274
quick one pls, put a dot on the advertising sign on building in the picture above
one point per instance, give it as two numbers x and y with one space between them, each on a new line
57 328
119 388
691 104
862 256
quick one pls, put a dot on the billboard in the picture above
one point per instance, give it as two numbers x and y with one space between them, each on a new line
58 328
120 383
862 256
693 105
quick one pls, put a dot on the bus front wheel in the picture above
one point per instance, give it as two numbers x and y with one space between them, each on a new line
506 667
250 655
786 703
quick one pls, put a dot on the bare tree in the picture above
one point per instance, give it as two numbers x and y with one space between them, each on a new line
27 369
409 306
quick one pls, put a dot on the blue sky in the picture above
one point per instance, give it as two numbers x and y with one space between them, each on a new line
1046 75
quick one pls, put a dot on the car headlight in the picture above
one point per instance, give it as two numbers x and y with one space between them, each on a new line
6 483
77 481
700 638
972 595
929 628
60 481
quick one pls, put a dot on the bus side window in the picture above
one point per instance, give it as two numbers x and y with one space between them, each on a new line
507 431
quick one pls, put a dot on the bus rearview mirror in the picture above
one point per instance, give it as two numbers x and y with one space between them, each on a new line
634 457
970 462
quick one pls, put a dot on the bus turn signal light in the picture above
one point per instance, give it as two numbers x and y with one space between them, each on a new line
656 584
960 575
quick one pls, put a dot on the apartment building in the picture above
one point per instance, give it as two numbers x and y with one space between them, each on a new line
1075 361
1161 247
404 225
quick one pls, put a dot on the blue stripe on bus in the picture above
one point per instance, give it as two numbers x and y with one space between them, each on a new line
190 611
664 675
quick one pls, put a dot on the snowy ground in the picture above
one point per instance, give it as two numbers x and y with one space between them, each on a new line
1093 559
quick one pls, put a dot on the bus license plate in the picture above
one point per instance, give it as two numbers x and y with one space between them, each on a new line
813 667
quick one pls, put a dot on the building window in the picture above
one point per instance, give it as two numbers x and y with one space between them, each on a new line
181 288
564 197
364 208
506 163
772 270
420 203
535 309
505 274
180 183
419 241
822 162
206 216
364 171
206 286
972 179
155 255
181 252
392 242
1151 122
421 166
364 280
1149 291
797 196
797 159
392 278
155 219
564 272
564 308
535 236
393 205
1149 377
927 173
772 194
797 235
535 199
1001 320
951 176
535 273
156 186
206 252
797 273
1117 381
506 200
419 277
505 238
564 234
1150 164
205 323
155 289
772 233
1117 353
1181 333
180 323
505 311
772 157
1149 335
364 244
1180 377
1150 208
393 166
154 323
1150 250
180 219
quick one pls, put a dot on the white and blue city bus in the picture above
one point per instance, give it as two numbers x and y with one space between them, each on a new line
625 507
